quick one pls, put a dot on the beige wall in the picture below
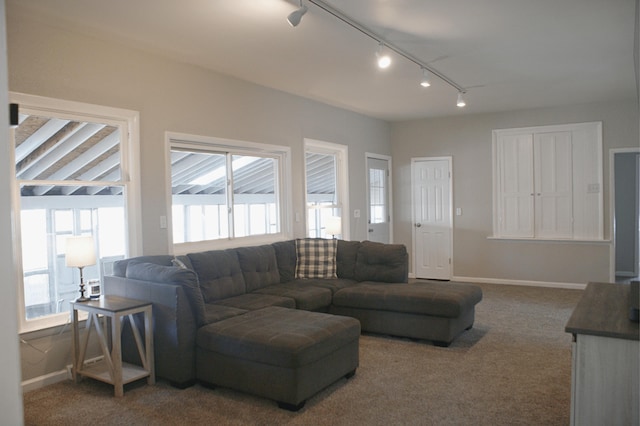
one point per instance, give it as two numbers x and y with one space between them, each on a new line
46 60
467 138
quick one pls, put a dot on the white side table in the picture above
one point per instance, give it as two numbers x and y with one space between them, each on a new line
111 369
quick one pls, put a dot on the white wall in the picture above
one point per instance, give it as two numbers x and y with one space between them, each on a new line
467 138
46 59
11 395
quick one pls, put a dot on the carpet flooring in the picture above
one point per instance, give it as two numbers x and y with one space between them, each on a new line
512 368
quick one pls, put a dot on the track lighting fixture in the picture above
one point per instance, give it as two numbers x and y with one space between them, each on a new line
384 60
460 103
295 17
382 54
425 82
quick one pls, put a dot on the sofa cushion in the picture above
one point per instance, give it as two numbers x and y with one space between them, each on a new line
333 284
280 337
307 297
171 275
316 258
253 301
450 300
215 313
286 259
382 263
346 255
259 266
219 273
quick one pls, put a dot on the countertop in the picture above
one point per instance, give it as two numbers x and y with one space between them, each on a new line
603 310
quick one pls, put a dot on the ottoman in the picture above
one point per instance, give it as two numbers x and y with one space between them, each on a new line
434 311
283 354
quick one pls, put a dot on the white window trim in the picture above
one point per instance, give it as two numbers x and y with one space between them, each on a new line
549 129
283 153
342 180
130 165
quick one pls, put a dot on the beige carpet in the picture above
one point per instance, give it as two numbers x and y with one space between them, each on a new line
512 368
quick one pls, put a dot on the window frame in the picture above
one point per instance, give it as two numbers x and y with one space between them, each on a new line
588 153
221 145
128 122
341 153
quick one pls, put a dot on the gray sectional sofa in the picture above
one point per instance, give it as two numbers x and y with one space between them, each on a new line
199 297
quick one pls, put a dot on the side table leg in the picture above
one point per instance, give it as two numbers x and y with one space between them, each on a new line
116 355
148 335
75 341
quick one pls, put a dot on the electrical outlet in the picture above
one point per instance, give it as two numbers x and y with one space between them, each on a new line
356 213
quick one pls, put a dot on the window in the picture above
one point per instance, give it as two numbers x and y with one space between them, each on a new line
326 189
73 177
548 182
224 190
377 195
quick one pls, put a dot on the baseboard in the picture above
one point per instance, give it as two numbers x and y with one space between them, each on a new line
550 284
51 378
46 380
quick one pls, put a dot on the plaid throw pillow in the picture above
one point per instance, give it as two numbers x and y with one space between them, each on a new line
316 258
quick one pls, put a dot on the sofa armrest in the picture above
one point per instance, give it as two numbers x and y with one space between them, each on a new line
174 327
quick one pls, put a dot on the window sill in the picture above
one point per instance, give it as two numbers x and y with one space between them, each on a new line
549 240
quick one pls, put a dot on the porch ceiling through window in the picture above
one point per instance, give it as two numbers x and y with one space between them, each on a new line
53 149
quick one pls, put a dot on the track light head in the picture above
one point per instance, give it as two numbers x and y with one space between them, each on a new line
460 103
425 82
295 17
384 60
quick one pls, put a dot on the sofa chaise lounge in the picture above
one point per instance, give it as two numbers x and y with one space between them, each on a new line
209 300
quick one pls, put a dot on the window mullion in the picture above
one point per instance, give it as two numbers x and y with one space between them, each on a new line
230 199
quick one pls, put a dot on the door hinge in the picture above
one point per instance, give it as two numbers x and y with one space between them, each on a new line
449 261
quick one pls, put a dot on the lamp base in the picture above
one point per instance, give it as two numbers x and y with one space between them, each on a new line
83 299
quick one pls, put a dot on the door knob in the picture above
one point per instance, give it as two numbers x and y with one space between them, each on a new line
370 230
418 225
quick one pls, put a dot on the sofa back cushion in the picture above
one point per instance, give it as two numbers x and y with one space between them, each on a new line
286 259
382 263
346 255
259 266
187 278
219 274
316 258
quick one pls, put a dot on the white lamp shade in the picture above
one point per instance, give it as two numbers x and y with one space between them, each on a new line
333 225
80 251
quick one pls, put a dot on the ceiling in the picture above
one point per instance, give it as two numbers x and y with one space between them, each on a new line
507 55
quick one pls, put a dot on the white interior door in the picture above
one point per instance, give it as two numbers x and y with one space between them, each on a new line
379 196
432 218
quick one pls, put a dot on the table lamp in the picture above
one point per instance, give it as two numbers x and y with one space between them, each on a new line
333 226
80 252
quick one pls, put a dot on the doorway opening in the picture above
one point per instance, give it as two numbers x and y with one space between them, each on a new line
625 214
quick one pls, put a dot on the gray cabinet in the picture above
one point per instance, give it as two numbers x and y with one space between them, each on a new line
606 355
